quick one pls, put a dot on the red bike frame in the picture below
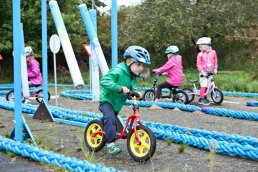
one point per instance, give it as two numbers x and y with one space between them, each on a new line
133 119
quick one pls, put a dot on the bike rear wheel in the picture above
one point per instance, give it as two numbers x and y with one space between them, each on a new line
190 94
180 97
149 95
10 96
39 96
144 150
98 142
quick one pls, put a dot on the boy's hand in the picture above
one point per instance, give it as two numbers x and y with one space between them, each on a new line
140 95
215 71
125 90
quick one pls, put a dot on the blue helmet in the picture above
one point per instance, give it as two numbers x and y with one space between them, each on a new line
138 53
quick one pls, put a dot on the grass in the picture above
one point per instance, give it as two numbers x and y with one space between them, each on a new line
169 142
181 148
88 155
186 168
242 81
226 81
212 155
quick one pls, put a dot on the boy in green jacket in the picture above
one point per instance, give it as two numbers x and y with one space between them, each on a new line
116 84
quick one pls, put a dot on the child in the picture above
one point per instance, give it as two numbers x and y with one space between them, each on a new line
117 80
172 69
206 62
33 69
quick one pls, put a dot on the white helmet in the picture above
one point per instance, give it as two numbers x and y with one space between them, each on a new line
204 41
28 51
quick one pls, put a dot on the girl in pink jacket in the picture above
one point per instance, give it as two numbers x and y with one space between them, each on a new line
173 69
206 63
33 68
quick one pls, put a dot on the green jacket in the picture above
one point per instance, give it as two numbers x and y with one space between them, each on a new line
115 78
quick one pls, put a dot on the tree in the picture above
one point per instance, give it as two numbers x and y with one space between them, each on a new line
155 24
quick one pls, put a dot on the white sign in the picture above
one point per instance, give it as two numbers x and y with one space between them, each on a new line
54 43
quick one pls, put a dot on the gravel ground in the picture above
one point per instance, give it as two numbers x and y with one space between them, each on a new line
68 140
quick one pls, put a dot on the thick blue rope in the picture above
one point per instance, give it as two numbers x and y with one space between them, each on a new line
38 154
252 103
226 93
231 113
233 145
85 95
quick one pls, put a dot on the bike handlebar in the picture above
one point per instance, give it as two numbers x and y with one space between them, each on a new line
208 74
131 93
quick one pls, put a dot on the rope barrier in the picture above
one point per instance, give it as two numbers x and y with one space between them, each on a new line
38 154
233 145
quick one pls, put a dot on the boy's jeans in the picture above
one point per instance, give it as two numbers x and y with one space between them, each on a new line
109 118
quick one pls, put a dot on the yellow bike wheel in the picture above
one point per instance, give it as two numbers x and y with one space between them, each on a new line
94 143
144 150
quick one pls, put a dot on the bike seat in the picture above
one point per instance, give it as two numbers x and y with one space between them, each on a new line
173 88
33 85
193 81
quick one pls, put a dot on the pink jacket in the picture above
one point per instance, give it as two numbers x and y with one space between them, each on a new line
34 74
174 70
207 61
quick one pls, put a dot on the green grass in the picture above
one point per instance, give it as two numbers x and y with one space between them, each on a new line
232 81
242 81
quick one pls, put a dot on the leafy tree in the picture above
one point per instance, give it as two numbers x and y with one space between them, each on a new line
155 24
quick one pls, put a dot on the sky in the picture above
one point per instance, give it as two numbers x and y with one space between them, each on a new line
119 3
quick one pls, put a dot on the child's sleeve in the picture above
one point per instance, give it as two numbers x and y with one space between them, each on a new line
165 67
108 81
215 60
199 65
35 70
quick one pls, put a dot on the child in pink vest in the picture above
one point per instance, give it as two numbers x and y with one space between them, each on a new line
33 68
206 63
173 69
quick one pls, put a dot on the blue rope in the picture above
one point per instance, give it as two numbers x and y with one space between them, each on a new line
233 145
240 94
231 113
169 105
252 103
38 154
226 93
85 95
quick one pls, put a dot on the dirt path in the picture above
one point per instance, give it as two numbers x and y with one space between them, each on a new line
67 139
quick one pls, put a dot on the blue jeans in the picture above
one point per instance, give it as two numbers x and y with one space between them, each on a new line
109 118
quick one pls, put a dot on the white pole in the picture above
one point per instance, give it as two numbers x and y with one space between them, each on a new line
54 56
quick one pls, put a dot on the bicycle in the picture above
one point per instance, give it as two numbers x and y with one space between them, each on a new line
216 95
177 95
38 94
141 142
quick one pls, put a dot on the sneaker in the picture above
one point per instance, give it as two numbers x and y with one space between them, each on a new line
113 149
26 101
206 98
157 100
201 101
206 102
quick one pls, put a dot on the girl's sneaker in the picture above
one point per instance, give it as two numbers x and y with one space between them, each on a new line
203 101
113 149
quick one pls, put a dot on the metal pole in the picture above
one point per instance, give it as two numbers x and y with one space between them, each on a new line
114 33
18 124
44 49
